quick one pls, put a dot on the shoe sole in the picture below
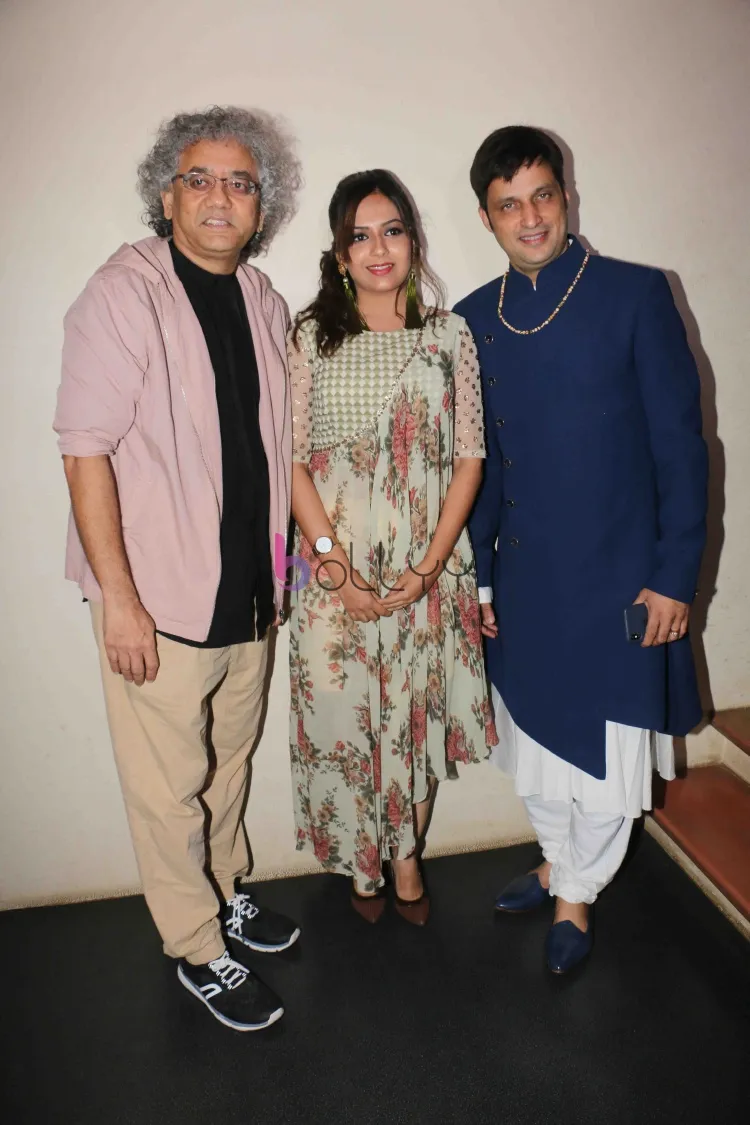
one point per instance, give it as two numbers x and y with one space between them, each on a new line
523 910
571 968
224 1019
564 972
265 948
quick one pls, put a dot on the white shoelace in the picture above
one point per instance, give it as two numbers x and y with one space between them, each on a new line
228 971
242 907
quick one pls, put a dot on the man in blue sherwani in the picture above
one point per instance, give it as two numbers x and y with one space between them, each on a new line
594 499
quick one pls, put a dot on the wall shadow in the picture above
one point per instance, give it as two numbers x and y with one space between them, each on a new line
574 202
716 483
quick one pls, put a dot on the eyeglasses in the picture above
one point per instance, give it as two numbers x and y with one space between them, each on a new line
203 182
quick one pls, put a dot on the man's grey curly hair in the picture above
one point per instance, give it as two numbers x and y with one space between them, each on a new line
265 136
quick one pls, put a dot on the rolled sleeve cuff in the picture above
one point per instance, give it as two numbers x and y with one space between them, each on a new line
85 445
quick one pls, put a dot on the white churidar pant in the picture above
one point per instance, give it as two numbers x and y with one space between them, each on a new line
583 824
585 848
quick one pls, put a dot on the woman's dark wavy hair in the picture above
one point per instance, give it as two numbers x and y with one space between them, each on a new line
332 311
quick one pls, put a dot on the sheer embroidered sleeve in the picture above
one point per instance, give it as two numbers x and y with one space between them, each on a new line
468 440
300 372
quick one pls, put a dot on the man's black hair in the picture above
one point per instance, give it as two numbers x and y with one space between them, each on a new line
507 150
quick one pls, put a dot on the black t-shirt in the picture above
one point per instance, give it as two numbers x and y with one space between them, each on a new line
244 600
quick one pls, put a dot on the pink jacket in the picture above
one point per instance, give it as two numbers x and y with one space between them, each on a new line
137 384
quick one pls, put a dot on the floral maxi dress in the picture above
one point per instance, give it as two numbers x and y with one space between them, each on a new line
377 708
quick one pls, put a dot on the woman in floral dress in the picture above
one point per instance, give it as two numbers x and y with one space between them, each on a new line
388 682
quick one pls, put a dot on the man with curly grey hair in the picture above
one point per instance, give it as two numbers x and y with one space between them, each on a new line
174 422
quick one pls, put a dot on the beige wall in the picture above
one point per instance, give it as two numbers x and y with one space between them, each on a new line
650 95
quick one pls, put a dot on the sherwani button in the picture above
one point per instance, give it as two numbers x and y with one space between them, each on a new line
507 463
514 542
501 421
488 339
491 382
511 503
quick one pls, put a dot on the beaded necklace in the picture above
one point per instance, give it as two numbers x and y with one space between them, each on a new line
552 315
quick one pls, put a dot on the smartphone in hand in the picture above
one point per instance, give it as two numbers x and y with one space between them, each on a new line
636 622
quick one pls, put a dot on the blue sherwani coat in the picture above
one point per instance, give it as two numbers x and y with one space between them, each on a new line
595 487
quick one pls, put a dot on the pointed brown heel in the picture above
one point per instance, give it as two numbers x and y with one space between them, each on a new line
369 907
415 911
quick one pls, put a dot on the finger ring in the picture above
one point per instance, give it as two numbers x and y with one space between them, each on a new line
674 632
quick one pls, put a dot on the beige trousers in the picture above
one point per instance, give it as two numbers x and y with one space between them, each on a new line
182 745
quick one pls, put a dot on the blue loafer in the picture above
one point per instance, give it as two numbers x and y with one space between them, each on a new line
566 946
522 894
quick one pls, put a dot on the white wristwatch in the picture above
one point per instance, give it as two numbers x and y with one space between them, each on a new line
323 545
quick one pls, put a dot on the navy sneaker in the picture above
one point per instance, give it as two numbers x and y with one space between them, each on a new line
233 995
522 894
263 930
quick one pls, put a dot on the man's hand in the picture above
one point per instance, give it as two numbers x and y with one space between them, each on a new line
667 619
489 621
129 632
130 640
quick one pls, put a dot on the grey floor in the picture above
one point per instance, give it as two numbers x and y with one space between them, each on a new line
458 1023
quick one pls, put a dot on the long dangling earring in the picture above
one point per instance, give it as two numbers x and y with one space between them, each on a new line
350 294
413 316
